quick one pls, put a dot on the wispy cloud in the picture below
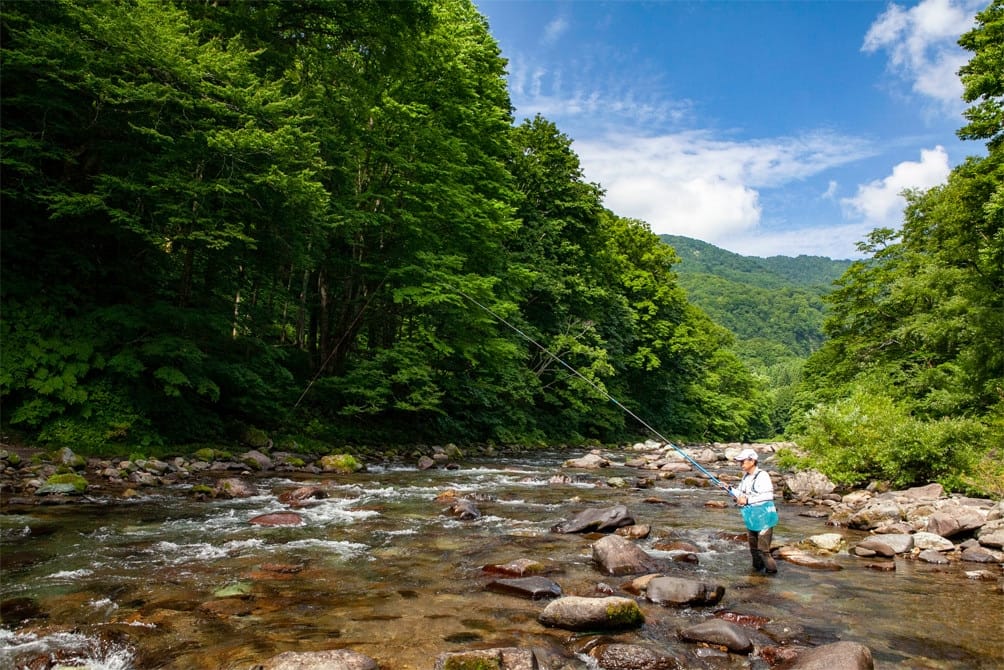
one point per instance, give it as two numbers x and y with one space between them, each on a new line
921 44
554 30
880 203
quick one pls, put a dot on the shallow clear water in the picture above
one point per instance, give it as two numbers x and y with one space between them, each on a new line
379 568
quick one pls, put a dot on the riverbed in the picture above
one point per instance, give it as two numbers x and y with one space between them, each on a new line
165 580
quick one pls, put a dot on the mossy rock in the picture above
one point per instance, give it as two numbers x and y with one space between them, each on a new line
237 589
205 454
340 463
471 662
12 458
256 438
66 483
625 614
295 462
202 489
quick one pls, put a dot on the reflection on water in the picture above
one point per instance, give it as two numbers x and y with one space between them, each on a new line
379 568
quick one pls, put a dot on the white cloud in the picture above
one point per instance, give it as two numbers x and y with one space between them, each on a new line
921 43
831 190
693 184
879 203
838 241
554 30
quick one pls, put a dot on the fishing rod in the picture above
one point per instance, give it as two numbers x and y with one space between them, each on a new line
717 482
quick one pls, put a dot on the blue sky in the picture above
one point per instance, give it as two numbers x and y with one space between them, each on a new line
763 127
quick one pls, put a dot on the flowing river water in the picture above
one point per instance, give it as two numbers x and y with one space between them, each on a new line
167 581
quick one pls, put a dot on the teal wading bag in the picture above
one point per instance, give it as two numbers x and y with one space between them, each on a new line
760 516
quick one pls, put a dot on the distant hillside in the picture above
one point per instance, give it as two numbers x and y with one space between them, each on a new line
774 272
773 305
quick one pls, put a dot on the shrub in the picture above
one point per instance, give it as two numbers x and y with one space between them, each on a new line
870 436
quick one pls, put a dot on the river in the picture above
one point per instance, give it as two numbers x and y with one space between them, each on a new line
167 581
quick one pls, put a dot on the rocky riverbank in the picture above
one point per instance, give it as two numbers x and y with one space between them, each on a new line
922 524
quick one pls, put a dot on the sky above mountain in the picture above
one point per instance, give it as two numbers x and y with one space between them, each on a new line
762 127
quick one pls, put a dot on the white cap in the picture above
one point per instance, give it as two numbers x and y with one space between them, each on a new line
746 453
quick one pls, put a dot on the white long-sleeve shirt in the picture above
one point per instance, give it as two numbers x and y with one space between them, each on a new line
756 486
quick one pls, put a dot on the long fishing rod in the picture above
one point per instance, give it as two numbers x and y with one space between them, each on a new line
717 482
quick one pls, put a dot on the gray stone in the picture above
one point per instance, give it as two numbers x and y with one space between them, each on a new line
580 613
719 632
619 556
680 592
507 658
331 659
836 656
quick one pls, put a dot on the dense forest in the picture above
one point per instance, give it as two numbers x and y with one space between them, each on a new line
320 220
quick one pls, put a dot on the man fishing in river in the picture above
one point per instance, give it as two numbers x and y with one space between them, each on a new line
755 497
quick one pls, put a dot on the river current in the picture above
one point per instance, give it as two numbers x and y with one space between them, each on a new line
167 581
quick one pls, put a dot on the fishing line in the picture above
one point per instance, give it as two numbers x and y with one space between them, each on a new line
597 388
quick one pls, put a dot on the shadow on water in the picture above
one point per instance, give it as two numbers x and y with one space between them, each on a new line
166 581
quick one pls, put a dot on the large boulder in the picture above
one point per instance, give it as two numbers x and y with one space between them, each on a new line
681 592
836 656
617 656
619 556
590 461
596 521
717 632
809 485
580 613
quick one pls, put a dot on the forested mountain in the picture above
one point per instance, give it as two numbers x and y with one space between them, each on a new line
773 305
317 218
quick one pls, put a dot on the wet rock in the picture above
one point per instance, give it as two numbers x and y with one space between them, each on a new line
518 568
616 656
831 542
277 519
932 556
464 509
534 588
580 613
873 547
618 556
836 656
332 659
596 520
681 592
798 556
718 632
232 487
509 658
256 460
63 484
590 461
979 554
636 531
299 496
